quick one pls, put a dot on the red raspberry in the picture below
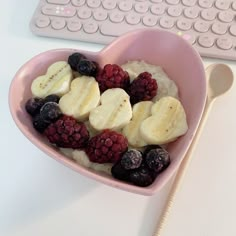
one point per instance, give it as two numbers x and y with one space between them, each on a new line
143 88
66 132
107 146
112 76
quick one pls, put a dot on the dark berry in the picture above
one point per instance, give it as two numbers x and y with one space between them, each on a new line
157 159
33 105
108 146
87 67
50 112
141 177
113 76
143 88
119 172
74 59
131 159
39 124
52 98
66 132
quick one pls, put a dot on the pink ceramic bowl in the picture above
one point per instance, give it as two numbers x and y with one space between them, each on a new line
179 60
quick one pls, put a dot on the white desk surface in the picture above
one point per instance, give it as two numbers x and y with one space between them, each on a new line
39 196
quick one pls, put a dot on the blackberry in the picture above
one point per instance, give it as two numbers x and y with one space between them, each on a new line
50 112
74 59
143 88
39 124
107 146
113 76
87 67
157 159
131 159
119 172
66 132
33 105
52 98
142 176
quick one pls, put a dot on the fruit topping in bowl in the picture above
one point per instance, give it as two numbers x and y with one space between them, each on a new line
111 119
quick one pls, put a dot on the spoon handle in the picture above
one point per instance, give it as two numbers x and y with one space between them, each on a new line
181 172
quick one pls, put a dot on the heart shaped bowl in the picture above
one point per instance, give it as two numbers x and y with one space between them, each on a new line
176 56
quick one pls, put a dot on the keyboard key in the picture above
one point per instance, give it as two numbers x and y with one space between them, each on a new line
156 1
133 18
74 25
234 6
149 20
222 4
58 24
60 2
158 9
184 24
125 6
226 16
84 13
206 41
205 3
189 3
173 2
90 27
141 7
209 14
78 3
100 15
167 22
174 11
201 26
219 28
116 16
224 43
54 10
232 30
42 21
191 12
93 3
109 4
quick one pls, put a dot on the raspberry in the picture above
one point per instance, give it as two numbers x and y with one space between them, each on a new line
107 146
66 132
112 76
131 159
143 88
157 159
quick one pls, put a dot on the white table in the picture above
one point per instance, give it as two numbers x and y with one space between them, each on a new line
39 196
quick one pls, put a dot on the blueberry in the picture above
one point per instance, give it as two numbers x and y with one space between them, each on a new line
157 159
50 112
52 98
119 172
131 159
39 124
33 105
74 59
87 67
142 176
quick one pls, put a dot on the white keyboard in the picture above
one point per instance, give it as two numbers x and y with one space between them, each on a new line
209 25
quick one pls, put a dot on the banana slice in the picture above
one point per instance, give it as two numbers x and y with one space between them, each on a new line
141 111
114 112
84 95
168 121
56 81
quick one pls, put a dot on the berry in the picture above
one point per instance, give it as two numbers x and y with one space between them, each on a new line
119 172
108 146
50 112
74 59
33 105
113 76
131 159
39 124
66 132
52 98
143 88
141 177
157 159
87 67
